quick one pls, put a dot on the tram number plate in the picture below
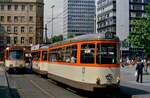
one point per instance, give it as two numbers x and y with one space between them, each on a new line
83 70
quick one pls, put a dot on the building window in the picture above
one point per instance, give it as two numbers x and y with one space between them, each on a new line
31 19
23 7
2 28
8 40
22 19
15 40
2 7
2 19
9 7
9 29
8 18
16 7
22 40
22 29
31 7
15 18
30 40
30 29
15 29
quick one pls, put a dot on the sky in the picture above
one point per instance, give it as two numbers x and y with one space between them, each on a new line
58 22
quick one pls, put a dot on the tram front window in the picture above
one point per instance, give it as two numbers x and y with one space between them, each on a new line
15 55
106 54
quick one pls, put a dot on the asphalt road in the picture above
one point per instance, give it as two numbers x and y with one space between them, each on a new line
34 86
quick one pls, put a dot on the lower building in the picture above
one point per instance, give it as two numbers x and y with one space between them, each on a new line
22 20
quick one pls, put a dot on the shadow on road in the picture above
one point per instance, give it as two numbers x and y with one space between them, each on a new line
14 93
103 93
5 92
19 71
133 91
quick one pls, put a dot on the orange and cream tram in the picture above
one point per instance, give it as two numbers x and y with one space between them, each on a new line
39 62
86 62
14 57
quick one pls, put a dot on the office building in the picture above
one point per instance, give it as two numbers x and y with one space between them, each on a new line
115 15
78 17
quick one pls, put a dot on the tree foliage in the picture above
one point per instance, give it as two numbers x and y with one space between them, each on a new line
57 38
140 33
70 35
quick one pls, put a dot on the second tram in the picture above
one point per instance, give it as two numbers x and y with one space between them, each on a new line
14 58
39 62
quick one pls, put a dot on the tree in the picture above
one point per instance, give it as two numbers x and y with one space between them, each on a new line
70 35
140 33
57 38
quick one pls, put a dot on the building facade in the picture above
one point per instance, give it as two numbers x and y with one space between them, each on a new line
78 17
115 15
22 21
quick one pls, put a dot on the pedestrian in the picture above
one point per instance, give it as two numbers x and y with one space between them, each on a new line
139 68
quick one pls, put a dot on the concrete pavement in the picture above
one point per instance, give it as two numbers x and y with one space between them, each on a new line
4 89
131 87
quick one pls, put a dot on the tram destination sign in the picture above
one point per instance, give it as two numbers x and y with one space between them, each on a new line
109 35
6 0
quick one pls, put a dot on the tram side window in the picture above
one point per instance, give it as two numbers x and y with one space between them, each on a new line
36 56
56 55
71 54
44 55
87 53
106 54
52 56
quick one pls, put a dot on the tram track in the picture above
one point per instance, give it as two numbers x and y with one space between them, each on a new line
45 92
26 85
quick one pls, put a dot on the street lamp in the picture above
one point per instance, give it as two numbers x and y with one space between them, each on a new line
52 23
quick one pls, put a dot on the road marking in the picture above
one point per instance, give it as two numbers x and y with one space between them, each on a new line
45 92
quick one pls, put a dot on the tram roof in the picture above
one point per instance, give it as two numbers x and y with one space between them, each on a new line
40 46
44 47
88 37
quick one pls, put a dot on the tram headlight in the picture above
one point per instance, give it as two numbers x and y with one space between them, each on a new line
7 48
118 80
98 81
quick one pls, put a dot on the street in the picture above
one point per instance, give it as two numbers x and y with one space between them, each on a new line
35 86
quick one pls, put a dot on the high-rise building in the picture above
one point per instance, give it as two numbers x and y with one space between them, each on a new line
115 15
22 21
78 17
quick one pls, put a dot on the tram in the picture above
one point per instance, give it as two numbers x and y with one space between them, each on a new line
14 58
85 62
39 62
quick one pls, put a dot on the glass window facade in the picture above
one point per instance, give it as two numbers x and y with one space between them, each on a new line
79 16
